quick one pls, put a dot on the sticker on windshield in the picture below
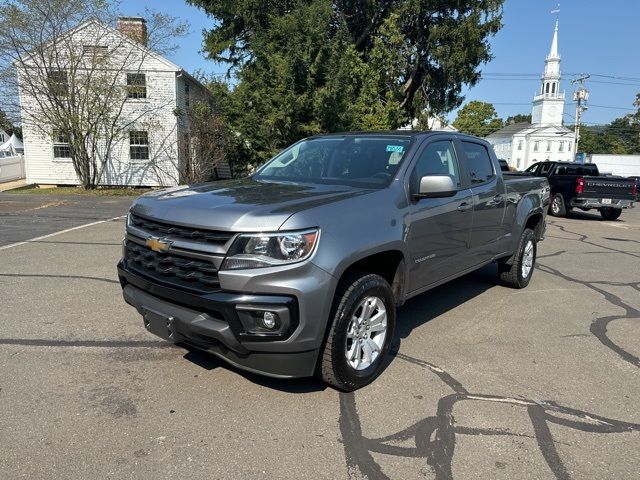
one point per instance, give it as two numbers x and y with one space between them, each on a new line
395 148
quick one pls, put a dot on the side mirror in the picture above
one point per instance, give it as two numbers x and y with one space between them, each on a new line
436 186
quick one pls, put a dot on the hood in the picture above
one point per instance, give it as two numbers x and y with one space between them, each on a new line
238 205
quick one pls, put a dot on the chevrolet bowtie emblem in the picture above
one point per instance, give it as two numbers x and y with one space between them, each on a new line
158 244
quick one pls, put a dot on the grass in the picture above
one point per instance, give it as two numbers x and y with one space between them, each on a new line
102 191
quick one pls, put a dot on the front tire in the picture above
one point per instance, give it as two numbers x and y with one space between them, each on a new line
609 213
516 272
361 331
557 207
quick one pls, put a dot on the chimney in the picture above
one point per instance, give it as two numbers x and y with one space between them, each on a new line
135 28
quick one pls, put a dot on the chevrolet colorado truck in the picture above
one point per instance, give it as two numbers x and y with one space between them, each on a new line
576 185
297 270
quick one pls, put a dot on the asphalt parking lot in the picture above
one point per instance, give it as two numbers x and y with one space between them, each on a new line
487 382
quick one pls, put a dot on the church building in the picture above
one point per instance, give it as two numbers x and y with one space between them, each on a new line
522 144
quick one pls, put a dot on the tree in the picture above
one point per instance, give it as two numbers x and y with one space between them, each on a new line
621 136
518 118
5 123
205 148
77 74
311 66
478 118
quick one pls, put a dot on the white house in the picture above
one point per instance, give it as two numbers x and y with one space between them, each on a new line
149 152
545 138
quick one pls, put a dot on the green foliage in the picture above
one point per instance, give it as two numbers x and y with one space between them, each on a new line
622 136
5 123
311 66
518 118
478 118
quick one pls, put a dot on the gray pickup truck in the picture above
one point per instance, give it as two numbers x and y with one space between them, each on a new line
298 270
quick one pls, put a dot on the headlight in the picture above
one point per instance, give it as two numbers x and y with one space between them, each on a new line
256 250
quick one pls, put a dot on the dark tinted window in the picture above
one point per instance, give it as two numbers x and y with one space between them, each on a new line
438 158
369 161
578 169
532 169
480 165
545 168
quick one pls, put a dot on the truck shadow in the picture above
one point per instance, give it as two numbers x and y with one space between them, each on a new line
294 385
416 312
433 303
576 214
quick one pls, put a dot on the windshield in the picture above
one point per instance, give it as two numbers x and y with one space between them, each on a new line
362 161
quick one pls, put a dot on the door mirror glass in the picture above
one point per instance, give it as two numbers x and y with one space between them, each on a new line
434 186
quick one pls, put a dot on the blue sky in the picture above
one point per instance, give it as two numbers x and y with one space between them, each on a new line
599 38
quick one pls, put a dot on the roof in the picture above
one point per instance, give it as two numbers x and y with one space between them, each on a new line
14 143
510 129
87 23
528 129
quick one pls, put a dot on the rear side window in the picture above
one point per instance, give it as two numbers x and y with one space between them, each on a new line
438 158
545 168
480 165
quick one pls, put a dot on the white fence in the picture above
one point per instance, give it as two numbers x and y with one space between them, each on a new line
11 168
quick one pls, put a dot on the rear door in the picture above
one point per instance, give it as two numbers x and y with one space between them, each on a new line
489 200
439 228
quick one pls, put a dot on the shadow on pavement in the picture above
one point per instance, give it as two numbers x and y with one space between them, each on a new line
295 385
416 312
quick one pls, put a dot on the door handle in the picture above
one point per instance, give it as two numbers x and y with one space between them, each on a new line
464 206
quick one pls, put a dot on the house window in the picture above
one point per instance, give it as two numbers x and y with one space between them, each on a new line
536 145
568 146
187 101
547 88
139 145
57 83
553 88
519 144
95 51
561 147
61 147
549 146
136 85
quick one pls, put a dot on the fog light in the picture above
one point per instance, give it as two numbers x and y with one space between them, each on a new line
269 320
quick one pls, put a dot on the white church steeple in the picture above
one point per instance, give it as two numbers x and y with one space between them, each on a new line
548 105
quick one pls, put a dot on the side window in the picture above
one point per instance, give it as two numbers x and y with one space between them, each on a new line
438 158
590 170
480 165
532 169
545 168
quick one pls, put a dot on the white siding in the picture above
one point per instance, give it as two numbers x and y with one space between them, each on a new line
159 120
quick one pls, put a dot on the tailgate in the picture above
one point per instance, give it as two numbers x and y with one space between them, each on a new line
608 187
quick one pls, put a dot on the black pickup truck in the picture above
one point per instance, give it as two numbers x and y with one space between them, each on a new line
575 185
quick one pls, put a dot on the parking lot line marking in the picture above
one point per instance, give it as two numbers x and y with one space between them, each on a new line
49 235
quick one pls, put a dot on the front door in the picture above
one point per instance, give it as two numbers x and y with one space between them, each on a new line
439 228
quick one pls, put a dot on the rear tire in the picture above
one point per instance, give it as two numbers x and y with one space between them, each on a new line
517 270
356 345
557 207
609 213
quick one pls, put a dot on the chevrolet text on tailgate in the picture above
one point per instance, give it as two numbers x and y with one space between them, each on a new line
298 270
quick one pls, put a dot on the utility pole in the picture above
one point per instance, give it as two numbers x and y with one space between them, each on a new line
579 96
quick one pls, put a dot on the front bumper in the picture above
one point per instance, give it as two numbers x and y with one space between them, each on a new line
212 321
598 203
